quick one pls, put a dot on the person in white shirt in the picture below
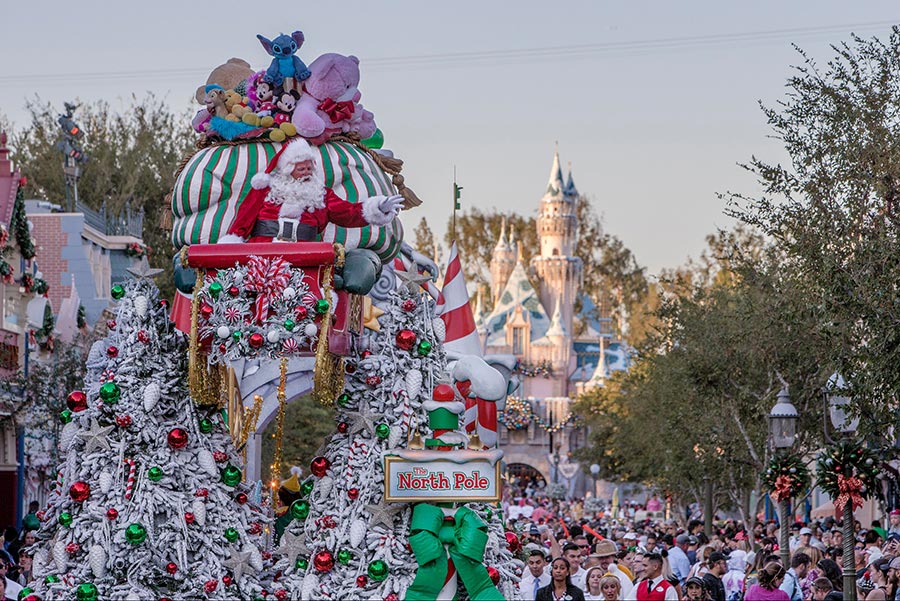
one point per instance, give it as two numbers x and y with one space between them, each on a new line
655 581
572 553
536 575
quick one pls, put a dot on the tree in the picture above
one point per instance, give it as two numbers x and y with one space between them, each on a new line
143 510
834 211
424 240
132 161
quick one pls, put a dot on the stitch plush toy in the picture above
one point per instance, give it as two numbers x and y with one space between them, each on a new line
284 63
330 103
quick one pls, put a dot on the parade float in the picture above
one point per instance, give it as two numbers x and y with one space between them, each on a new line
293 279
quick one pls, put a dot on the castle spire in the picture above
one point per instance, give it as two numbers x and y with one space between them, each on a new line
555 184
571 190
556 324
501 243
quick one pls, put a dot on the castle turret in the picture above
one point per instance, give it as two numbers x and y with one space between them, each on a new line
559 271
503 260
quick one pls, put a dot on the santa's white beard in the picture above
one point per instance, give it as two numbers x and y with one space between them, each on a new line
296 196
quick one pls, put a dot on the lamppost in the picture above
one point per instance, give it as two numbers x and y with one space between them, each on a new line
595 471
555 459
783 429
842 422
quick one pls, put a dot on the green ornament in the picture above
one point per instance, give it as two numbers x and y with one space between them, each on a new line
306 488
25 592
490 514
51 579
237 336
301 563
424 348
344 556
65 416
299 509
224 414
376 141
322 306
378 570
289 324
87 591
206 425
231 476
117 292
215 289
155 473
231 534
65 519
382 431
344 399
135 534
110 393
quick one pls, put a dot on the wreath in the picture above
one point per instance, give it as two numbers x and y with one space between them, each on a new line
847 471
786 476
513 417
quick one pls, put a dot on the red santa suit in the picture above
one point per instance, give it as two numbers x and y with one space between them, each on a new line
259 220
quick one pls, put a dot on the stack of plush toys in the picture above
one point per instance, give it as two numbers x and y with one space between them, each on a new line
287 99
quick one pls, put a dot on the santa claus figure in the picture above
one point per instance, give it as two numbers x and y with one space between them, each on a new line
289 202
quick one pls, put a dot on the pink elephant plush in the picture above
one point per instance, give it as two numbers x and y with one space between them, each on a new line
330 101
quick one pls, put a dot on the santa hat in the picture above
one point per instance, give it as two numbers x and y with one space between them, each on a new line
288 155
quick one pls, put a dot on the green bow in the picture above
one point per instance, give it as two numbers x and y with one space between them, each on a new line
465 537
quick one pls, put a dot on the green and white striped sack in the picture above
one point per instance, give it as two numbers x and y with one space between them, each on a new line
212 184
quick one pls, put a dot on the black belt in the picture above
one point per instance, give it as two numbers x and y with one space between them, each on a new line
291 230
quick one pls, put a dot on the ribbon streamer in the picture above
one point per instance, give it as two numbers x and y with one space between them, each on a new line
465 537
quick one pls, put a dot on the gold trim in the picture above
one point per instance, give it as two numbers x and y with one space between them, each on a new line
438 498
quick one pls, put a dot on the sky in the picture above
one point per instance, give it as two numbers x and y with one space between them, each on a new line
654 104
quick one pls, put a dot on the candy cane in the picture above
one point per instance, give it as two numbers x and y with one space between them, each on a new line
353 447
59 482
129 486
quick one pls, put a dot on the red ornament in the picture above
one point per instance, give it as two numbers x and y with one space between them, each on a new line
143 336
112 513
220 456
366 354
112 352
211 585
222 348
41 515
234 291
241 498
301 312
392 597
73 548
350 368
406 340
408 305
111 324
373 380
256 340
255 528
329 522
264 593
362 581
80 491
206 311
342 427
266 555
494 574
443 393
76 401
164 303
353 494
123 421
512 541
281 594
227 580
171 567
201 492
319 466
189 517
177 438
323 561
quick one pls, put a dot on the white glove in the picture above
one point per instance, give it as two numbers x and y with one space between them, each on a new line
391 205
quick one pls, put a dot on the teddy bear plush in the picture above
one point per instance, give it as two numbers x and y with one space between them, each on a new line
229 76
330 102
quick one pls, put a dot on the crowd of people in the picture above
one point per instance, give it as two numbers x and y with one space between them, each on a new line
576 552
15 558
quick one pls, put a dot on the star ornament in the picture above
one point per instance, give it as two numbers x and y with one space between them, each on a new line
95 438
363 419
238 563
412 279
383 513
292 545
143 271
371 313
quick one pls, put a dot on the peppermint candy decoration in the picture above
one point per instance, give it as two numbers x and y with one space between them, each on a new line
290 345
231 314
107 376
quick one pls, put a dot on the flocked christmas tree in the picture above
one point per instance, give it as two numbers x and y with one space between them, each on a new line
345 541
149 502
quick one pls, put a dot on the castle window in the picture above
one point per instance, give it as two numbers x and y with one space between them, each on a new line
518 341
555 252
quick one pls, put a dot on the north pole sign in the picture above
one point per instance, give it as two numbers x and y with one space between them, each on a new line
443 476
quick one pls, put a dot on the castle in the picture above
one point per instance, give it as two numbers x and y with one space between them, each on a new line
560 352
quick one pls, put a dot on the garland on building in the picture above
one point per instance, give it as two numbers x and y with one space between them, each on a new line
847 472
19 224
518 414
541 370
137 250
786 476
